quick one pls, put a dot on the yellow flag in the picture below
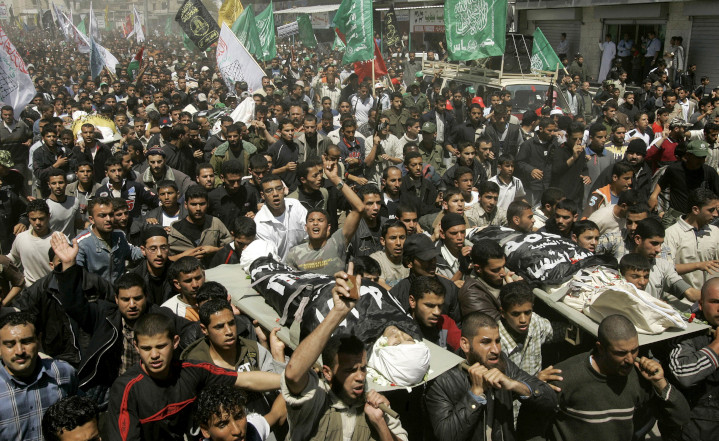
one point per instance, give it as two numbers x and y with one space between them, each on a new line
229 11
107 21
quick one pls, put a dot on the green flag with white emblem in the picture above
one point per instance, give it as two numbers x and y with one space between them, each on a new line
475 28
266 27
543 56
353 23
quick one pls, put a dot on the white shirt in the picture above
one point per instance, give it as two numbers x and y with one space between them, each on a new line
509 192
283 232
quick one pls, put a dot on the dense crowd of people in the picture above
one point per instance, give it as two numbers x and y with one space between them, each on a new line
118 192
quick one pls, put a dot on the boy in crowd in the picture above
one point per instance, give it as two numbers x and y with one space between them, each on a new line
565 215
510 187
243 233
426 300
635 268
523 332
394 233
585 233
326 253
487 211
622 176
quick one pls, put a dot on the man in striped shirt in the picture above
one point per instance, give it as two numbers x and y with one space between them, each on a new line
694 363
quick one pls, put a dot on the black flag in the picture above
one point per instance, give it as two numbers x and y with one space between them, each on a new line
391 38
197 23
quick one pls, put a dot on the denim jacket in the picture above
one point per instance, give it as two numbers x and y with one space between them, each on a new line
106 261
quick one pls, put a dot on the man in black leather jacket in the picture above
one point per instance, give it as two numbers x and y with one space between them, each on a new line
477 404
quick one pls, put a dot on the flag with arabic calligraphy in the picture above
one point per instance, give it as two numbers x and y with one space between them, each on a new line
16 87
475 28
543 55
353 23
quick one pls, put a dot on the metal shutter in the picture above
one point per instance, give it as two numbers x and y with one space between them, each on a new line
553 30
703 47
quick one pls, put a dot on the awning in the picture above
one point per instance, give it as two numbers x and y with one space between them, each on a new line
309 9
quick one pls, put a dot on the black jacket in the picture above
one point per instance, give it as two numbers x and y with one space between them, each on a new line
61 335
451 303
455 415
228 207
421 198
641 181
103 321
449 123
534 154
511 141
102 155
158 289
568 178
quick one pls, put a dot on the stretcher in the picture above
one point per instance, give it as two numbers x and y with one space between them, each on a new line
238 284
553 299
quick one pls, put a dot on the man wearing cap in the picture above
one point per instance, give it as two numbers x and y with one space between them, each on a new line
430 150
662 150
420 256
683 176
415 98
158 140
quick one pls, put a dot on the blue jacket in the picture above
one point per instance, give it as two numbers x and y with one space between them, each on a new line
105 260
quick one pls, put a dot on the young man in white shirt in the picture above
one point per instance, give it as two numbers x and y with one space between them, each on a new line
281 221
510 187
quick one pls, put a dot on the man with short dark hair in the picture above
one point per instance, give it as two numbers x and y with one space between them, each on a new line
613 380
154 267
30 384
426 300
281 221
158 383
102 249
461 405
230 200
534 166
693 241
73 418
198 234
420 255
312 401
30 247
520 217
285 154
416 189
157 170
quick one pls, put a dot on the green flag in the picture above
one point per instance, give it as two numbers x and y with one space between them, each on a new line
266 27
245 28
475 28
353 19
168 27
81 27
190 45
307 35
543 56
338 45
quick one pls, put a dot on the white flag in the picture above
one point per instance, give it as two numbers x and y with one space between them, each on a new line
83 43
235 63
60 17
16 87
93 29
137 29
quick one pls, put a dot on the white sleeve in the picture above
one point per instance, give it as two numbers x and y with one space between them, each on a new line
260 424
